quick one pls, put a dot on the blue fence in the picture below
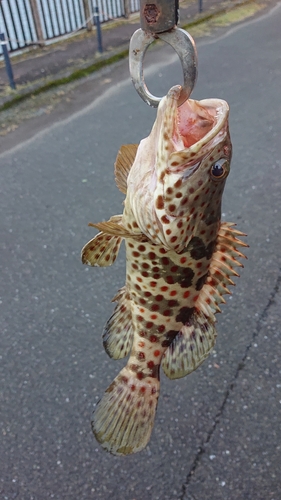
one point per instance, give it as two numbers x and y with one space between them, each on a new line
27 22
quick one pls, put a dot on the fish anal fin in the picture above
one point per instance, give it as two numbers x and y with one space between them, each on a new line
118 331
190 347
124 417
124 161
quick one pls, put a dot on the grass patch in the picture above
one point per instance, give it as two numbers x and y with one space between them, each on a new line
236 15
76 75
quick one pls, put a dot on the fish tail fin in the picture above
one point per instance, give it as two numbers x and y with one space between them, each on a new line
124 417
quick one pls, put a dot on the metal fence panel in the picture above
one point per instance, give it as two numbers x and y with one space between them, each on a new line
16 21
57 18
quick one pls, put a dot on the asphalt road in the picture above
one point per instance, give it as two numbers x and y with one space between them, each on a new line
218 431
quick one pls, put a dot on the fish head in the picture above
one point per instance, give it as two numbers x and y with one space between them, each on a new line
183 164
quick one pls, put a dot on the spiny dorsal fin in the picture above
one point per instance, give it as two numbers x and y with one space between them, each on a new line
118 331
190 347
125 159
221 269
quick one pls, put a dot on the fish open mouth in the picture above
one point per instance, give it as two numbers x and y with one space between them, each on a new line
195 123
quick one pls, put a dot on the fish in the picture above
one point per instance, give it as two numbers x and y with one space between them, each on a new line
180 260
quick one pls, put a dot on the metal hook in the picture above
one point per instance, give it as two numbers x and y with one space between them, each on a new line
181 42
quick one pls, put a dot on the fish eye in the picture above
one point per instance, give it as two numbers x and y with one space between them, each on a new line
219 169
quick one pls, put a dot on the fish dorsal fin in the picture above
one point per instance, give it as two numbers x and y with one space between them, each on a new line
124 161
118 331
222 265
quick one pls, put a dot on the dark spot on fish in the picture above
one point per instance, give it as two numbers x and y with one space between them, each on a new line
160 202
210 249
184 314
169 337
172 208
187 277
197 248
154 307
200 283
161 328
173 303
165 219
153 338
154 373
170 280
179 195
168 312
159 298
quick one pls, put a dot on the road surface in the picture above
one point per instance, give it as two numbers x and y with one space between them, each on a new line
218 431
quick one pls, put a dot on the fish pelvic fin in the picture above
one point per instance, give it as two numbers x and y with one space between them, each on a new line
191 346
118 331
124 161
224 260
103 249
123 419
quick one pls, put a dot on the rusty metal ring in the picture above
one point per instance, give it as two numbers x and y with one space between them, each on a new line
184 46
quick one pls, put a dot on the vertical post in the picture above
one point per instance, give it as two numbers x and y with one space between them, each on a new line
200 6
127 9
97 23
37 22
7 61
87 14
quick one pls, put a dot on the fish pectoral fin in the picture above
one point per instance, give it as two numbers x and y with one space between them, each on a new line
101 251
221 270
124 417
190 347
118 331
124 161
114 227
